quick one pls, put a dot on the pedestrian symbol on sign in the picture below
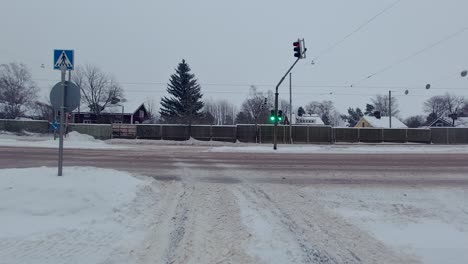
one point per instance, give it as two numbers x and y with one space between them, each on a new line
63 58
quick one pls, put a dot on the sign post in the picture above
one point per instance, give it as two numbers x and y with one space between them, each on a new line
62 118
63 61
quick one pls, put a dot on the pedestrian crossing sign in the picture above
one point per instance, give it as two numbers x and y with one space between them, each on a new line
65 58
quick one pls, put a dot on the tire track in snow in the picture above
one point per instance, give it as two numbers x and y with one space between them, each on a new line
205 224
328 232
286 242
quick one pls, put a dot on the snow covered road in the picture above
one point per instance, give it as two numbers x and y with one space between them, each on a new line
210 207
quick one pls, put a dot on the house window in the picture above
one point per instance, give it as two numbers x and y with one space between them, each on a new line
87 121
141 114
363 124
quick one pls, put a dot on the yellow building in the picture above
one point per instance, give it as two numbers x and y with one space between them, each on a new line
382 122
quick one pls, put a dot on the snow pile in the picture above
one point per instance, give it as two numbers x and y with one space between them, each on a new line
86 216
427 222
343 148
77 137
72 140
190 142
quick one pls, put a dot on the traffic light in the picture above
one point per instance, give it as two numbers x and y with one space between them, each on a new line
297 49
280 115
272 116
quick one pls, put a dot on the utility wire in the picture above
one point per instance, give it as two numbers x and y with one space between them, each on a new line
359 28
247 85
386 68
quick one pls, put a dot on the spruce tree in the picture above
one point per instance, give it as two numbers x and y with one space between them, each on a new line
300 111
369 110
184 103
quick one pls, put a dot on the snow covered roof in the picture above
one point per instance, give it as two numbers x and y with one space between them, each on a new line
459 122
129 107
383 122
307 120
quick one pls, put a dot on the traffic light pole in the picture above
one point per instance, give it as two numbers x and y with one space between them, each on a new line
276 102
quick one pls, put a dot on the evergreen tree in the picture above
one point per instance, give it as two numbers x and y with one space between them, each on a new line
184 103
354 116
300 111
369 110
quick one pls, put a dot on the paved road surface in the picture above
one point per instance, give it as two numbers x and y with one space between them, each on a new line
176 163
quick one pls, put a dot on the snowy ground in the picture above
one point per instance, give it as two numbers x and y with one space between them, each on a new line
217 146
73 140
103 216
82 141
88 216
345 148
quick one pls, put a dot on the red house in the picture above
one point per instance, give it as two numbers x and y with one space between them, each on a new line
121 113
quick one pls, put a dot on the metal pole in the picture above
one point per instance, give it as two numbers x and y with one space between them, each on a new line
275 143
290 108
63 68
390 108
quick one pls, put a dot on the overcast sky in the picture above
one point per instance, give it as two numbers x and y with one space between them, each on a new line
231 45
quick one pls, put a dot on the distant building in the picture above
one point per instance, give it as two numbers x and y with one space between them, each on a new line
382 122
121 113
310 120
448 122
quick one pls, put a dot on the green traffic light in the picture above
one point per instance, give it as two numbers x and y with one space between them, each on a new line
272 118
280 119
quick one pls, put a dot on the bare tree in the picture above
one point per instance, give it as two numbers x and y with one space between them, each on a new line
227 112
284 106
312 108
97 88
453 105
222 111
150 106
254 106
435 106
381 104
449 105
326 111
43 110
17 90
414 121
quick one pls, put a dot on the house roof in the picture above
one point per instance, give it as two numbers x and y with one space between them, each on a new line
384 122
459 122
307 119
129 107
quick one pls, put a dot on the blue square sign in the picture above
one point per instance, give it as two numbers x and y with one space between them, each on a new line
63 57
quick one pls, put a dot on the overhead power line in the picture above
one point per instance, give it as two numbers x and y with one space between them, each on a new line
404 59
247 86
356 30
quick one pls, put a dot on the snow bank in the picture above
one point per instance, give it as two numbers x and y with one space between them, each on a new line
83 217
73 140
190 142
430 223
345 148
